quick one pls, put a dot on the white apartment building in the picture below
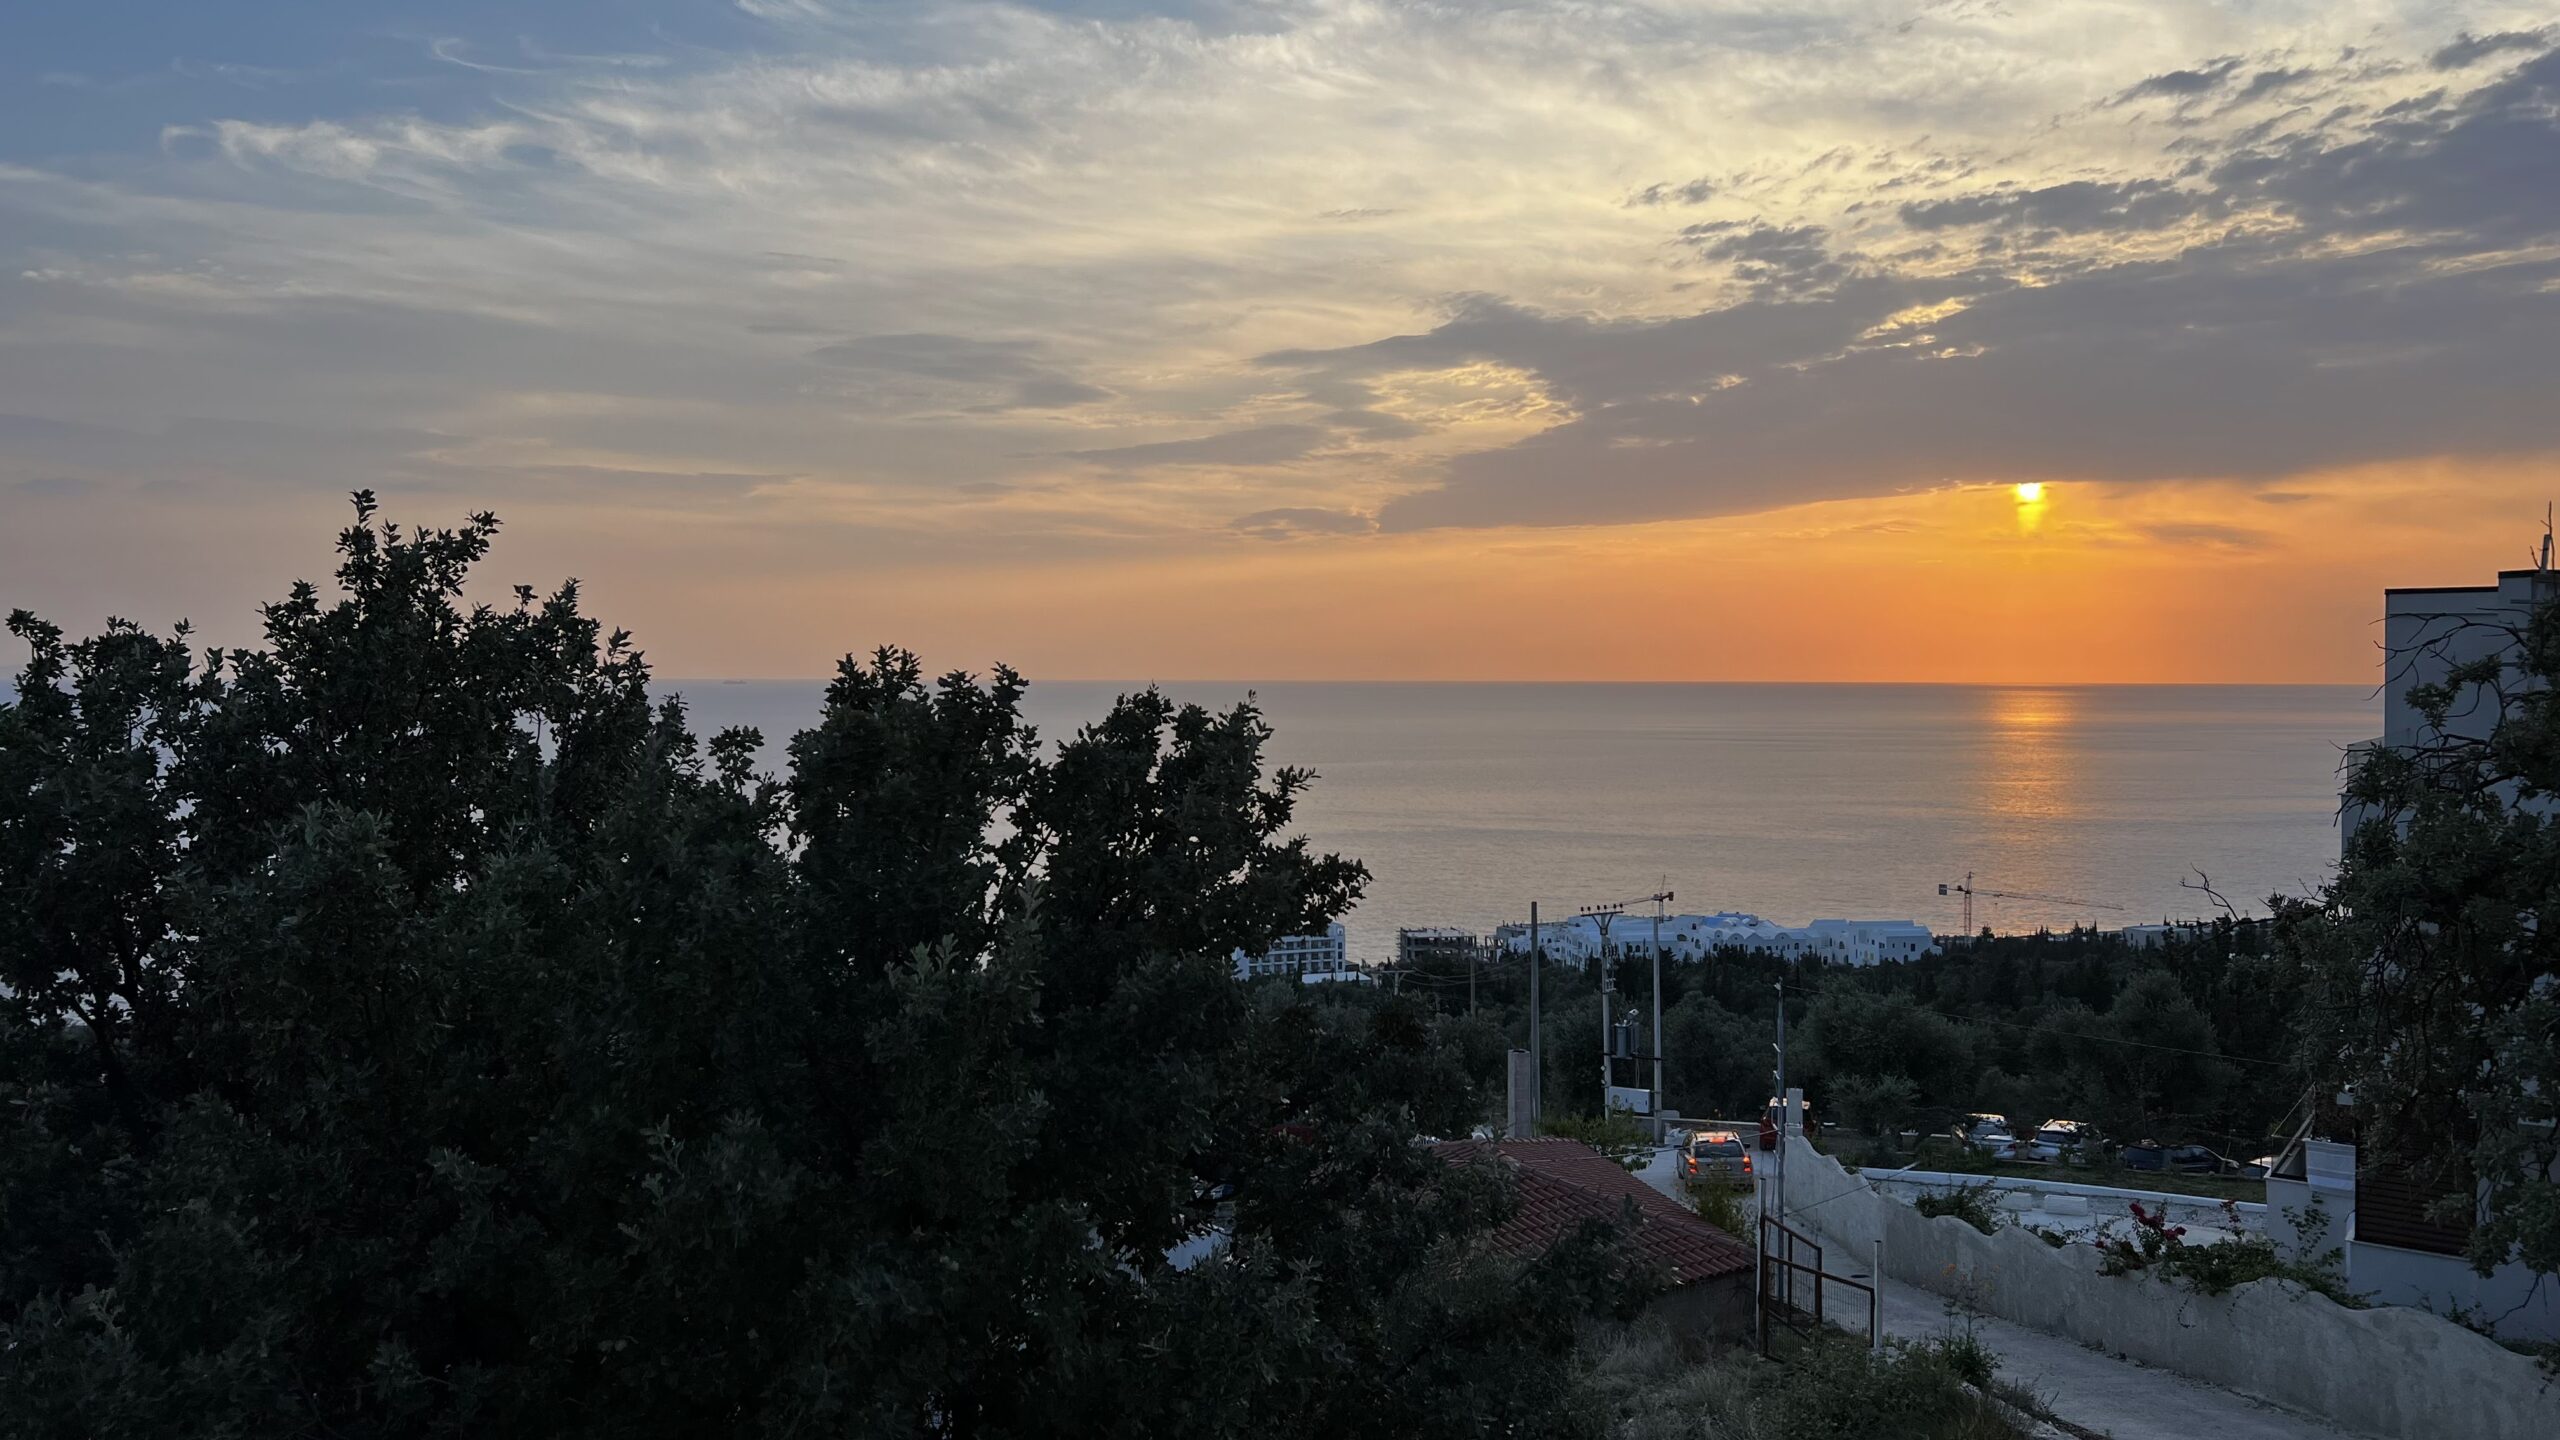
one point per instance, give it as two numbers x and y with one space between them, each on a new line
1417 943
2395 1247
1299 955
2427 630
1574 940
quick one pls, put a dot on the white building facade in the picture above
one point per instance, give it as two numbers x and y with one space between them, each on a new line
2396 1244
1577 939
1299 955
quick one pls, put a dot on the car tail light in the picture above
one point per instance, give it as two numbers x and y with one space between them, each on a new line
1746 1164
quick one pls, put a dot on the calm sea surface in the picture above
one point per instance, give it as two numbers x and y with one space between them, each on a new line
1791 801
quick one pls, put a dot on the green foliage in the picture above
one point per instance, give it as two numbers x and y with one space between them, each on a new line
2430 973
1964 1353
1616 1134
1877 1105
1832 1387
1721 1206
410 1026
2160 1248
1971 1204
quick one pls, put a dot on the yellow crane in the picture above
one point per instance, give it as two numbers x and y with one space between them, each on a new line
1968 890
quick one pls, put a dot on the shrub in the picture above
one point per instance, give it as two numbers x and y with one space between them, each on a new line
1831 1386
1721 1206
1618 1135
2161 1248
1968 1203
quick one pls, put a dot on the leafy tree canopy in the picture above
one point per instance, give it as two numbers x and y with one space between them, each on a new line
2431 974
411 1026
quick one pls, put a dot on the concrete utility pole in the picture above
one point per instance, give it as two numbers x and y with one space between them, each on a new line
1537 1053
1778 1179
1608 1026
1657 1006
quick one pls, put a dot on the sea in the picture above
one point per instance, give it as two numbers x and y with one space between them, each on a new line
1794 802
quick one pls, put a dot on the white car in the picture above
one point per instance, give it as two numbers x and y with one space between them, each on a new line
1984 1131
2054 1140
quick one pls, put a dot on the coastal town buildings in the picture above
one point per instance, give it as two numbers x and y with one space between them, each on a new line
1300 955
1578 939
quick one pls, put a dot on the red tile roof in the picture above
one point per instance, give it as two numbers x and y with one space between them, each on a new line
1564 1182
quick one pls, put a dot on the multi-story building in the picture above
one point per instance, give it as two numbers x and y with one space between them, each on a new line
2427 631
1576 939
1445 943
1298 955
2393 1241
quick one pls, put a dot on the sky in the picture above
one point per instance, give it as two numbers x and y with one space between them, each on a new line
1992 341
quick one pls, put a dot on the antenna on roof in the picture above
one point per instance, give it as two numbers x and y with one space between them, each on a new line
2546 535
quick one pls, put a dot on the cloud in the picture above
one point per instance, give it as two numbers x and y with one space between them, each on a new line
2485 171
893 262
2205 535
2183 84
2469 49
2076 206
1292 524
1261 445
1771 258
2266 349
987 375
1692 192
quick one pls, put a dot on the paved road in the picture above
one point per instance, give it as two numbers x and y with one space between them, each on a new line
2093 1391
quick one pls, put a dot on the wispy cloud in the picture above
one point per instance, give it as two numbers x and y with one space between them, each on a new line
934 279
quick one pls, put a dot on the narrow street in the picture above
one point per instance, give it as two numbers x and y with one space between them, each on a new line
2095 1392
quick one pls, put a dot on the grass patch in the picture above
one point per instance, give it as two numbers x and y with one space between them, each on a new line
1830 1386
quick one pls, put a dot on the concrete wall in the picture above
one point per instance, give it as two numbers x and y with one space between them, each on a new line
2086 1207
2506 1299
2391 1372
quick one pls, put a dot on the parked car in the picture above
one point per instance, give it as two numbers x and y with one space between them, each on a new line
1716 1157
2175 1159
1984 1131
1769 1124
2054 1141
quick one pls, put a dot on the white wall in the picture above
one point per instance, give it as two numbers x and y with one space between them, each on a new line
2390 1372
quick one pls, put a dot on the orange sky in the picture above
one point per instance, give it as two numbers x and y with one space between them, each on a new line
2108 584
1359 341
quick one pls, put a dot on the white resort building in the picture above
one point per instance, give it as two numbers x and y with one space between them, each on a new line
1300 955
1576 939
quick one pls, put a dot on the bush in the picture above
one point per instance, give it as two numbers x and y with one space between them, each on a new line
1832 1386
1968 1203
1721 1206
2160 1247
1618 1135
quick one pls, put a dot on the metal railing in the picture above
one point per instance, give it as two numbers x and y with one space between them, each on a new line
1786 1274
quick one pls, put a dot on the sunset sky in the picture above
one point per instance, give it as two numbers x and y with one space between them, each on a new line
1310 339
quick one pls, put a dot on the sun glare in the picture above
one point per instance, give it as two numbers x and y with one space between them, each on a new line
2030 493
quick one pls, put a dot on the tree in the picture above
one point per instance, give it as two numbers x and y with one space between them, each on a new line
2432 978
410 1026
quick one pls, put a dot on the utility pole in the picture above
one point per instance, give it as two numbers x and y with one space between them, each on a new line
1537 1053
1778 1180
1778 1177
1608 1022
1657 1008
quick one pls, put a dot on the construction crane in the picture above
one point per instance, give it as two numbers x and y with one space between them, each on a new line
1968 890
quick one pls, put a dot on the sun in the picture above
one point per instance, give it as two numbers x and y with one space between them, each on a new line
2030 493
